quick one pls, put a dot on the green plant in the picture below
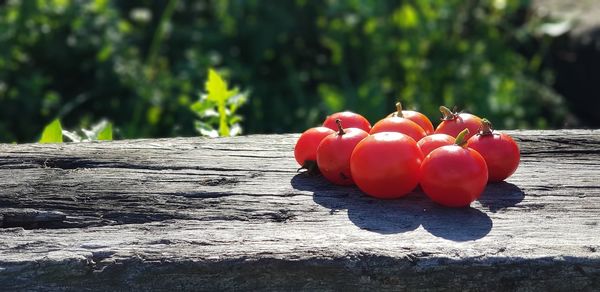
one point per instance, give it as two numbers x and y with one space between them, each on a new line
218 108
53 133
102 131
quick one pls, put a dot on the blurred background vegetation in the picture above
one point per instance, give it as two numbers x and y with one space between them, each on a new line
143 63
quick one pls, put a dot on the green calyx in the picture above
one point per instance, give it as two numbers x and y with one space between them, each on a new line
447 114
486 128
461 138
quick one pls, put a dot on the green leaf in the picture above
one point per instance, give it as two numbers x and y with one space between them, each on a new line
204 108
199 106
234 120
217 91
216 87
52 133
236 101
106 134
206 130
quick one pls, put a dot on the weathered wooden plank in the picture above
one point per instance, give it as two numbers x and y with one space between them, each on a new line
232 213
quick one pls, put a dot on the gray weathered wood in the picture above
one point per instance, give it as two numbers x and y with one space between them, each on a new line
232 213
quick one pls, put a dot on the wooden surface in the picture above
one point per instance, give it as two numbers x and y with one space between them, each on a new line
232 213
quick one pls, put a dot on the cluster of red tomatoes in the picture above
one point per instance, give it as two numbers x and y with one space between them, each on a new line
452 163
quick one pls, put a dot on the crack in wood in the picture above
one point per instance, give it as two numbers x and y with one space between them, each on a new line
30 218
219 181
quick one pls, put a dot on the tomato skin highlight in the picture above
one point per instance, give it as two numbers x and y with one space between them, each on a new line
400 125
454 176
461 121
386 165
307 144
334 152
349 120
500 152
432 142
421 120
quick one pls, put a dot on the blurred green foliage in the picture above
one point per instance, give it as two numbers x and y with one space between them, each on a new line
142 63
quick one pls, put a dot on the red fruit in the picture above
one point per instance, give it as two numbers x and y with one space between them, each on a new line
499 150
386 165
417 117
333 154
454 175
305 150
453 123
349 120
400 125
432 142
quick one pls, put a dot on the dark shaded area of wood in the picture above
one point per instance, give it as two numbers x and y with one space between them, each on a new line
233 213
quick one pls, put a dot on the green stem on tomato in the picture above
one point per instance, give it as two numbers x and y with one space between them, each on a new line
460 138
340 128
486 128
447 113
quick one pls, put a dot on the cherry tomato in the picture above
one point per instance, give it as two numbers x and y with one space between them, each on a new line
349 120
305 150
417 117
499 150
452 123
386 165
432 142
400 125
333 154
454 175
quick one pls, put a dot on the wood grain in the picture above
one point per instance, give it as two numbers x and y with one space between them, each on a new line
233 214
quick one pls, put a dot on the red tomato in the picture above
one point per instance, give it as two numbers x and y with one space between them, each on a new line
333 154
417 117
349 120
454 175
453 123
386 165
499 150
305 150
400 125
431 142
